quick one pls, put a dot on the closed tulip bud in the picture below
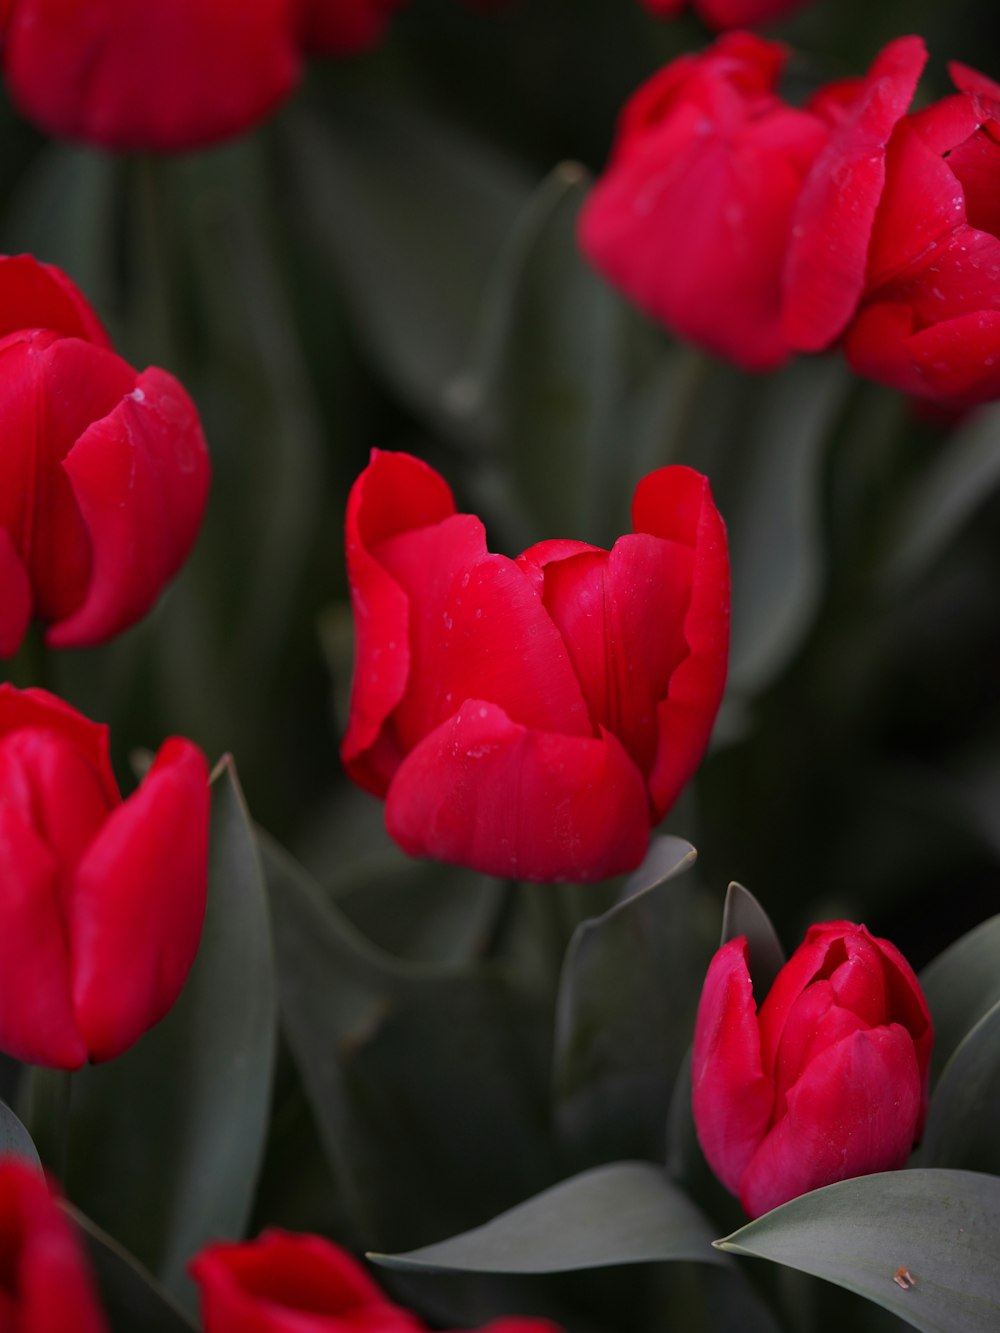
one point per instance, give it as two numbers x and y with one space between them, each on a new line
826 1081
288 1283
101 900
532 717
45 1283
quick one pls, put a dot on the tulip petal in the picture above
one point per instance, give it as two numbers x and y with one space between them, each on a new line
138 902
853 1111
731 1095
395 494
676 504
489 793
140 477
969 80
41 296
956 361
742 13
38 708
162 75
15 597
37 1022
825 269
815 1022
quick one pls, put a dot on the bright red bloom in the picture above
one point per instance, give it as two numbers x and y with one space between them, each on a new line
103 470
929 323
531 717
101 900
726 13
45 1283
718 212
827 1081
169 75
286 1283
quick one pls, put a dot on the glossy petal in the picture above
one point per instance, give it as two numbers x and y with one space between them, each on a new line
731 1095
140 478
692 217
138 902
162 75
489 793
854 1111
41 296
825 269
44 1280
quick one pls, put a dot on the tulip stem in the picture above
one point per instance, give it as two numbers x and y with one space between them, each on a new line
30 666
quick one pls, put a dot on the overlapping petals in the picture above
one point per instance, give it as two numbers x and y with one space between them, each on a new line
104 469
827 1081
102 899
531 717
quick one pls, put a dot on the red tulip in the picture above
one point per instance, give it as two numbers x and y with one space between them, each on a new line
721 213
726 13
101 900
827 1081
104 472
45 1283
531 717
929 322
285 1283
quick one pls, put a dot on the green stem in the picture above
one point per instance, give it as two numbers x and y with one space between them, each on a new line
31 666
46 1114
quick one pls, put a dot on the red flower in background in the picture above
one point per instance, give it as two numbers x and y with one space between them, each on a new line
717 212
169 74
531 717
101 900
103 470
45 1283
726 13
827 1081
929 321
286 1283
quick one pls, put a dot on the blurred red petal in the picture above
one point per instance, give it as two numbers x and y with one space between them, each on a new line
488 793
15 597
731 1095
39 708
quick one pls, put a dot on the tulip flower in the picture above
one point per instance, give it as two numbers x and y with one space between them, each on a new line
531 717
286 1283
45 1283
929 322
101 900
736 219
104 472
826 1081
169 75
726 13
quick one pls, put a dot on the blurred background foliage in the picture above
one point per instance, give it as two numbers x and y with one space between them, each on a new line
390 262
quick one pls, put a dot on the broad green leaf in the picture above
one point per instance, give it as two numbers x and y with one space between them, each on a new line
627 997
414 1073
131 1297
166 1142
14 1138
962 985
962 1124
743 915
621 1213
410 212
964 473
940 1227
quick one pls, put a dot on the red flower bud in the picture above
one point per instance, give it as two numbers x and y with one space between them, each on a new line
104 472
827 1081
45 1283
929 323
531 717
286 1283
101 900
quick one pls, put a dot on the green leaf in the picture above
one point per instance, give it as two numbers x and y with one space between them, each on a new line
962 985
621 1213
939 1226
962 1124
963 475
743 915
166 1142
628 992
130 1296
14 1138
